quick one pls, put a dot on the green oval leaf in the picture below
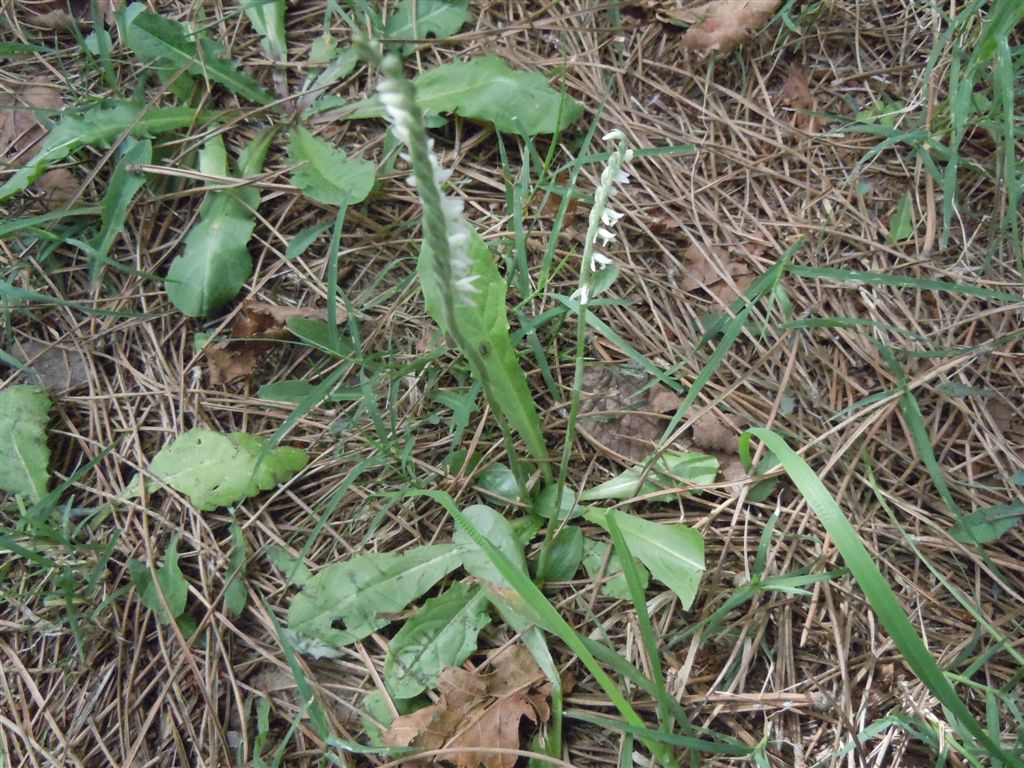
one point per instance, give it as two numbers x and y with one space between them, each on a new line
216 470
442 634
499 532
487 89
673 553
361 591
24 457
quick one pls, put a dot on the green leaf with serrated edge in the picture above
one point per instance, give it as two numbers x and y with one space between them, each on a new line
565 555
157 38
24 457
324 173
989 524
216 470
98 126
362 591
216 261
671 470
673 553
499 532
441 634
420 19
483 323
594 554
487 89
171 583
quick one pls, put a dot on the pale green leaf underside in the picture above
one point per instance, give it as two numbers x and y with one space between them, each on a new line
672 469
673 553
443 633
594 554
216 470
24 456
325 174
361 592
487 89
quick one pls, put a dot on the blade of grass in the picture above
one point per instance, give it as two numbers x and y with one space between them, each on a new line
876 590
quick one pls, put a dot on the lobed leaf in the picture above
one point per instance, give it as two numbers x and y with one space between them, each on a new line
24 456
420 19
216 470
670 470
486 89
361 592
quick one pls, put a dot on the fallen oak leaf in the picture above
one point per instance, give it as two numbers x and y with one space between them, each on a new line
723 25
796 90
478 712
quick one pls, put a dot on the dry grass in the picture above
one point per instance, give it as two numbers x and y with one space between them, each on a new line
807 672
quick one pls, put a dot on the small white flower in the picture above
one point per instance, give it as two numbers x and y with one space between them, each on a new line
459 240
582 293
599 261
615 135
411 180
605 236
622 178
453 208
627 156
609 217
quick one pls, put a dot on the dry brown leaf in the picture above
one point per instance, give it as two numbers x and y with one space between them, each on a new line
796 90
706 269
254 326
723 25
477 711
1009 422
713 432
21 137
620 419
59 369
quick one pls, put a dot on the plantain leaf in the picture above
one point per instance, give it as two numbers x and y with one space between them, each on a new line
487 89
594 558
673 553
24 457
157 38
420 19
98 126
325 174
361 592
216 262
483 323
216 470
441 634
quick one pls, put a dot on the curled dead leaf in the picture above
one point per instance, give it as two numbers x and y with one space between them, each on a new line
723 25
712 431
478 711
65 14
796 90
